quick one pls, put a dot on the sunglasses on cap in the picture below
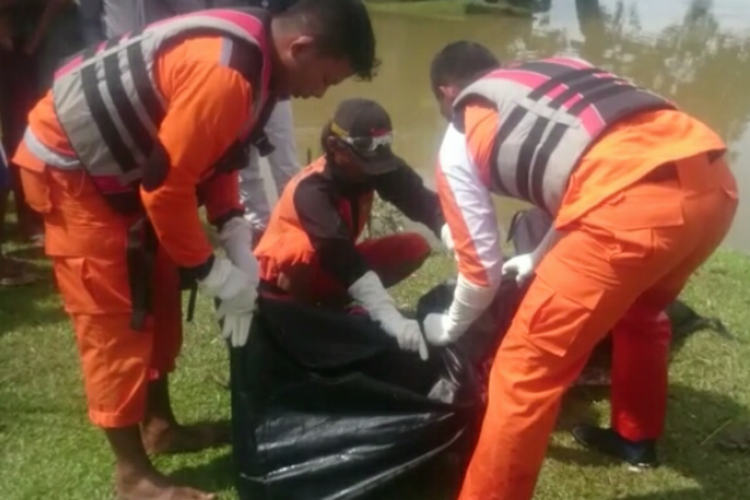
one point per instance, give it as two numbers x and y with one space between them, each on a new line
365 146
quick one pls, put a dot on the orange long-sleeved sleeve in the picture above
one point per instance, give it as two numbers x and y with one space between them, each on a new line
207 105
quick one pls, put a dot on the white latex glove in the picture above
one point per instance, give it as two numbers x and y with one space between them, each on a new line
447 239
237 292
522 265
436 329
237 240
369 291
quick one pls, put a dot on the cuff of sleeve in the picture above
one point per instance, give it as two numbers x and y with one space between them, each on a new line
469 302
219 222
200 272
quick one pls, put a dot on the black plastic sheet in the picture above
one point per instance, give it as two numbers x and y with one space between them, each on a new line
325 406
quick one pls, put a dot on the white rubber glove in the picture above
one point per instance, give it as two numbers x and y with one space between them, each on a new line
237 240
369 291
238 293
436 329
524 265
469 302
447 239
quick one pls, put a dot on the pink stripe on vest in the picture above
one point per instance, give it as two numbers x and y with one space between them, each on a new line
529 79
69 66
589 117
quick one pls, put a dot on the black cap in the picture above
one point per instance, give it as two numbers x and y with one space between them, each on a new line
363 123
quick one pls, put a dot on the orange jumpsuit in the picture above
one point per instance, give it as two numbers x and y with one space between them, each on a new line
208 103
645 207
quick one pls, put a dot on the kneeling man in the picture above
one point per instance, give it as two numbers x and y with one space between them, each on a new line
310 249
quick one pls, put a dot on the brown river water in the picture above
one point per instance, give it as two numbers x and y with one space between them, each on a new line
695 52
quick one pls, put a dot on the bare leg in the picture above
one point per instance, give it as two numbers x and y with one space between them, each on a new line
135 476
163 435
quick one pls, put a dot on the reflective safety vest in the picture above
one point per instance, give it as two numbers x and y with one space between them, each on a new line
107 101
550 112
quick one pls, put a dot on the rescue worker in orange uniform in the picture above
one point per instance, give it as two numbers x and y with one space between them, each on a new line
641 196
134 134
310 249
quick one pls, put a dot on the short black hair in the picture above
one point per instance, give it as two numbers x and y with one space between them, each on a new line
461 62
342 29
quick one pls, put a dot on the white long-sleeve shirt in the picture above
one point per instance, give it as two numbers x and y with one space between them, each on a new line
470 214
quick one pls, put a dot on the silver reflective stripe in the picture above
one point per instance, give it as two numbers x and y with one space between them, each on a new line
227 45
47 155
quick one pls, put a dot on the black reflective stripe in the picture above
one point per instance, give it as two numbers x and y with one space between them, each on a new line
247 59
541 162
588 85
142 82
590 99
579 81
567 77
514 118
534 191
113 77
526 155
100 115
496 179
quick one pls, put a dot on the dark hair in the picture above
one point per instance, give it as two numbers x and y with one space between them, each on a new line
341 28
461 62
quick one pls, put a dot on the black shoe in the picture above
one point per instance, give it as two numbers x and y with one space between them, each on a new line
639 454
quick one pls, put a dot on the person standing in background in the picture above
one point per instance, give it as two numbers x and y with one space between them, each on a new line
34 37
283 160
104 19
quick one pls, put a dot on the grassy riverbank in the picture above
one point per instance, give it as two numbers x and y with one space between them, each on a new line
48 450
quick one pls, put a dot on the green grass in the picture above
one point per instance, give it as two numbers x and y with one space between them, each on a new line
48 449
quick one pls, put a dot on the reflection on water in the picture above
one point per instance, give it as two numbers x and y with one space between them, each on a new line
695 52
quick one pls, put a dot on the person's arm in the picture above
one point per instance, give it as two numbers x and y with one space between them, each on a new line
91 13
51 11
253 195
280 131
208 105
405 190
327 231
470 214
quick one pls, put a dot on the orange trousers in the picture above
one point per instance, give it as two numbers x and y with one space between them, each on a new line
86 241
393 258
616 270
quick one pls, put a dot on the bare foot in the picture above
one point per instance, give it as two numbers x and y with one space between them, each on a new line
152 485
162 439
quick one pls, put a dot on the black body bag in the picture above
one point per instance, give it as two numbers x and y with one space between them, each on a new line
325 406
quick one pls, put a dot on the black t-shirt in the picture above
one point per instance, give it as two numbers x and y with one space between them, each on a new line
316 201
